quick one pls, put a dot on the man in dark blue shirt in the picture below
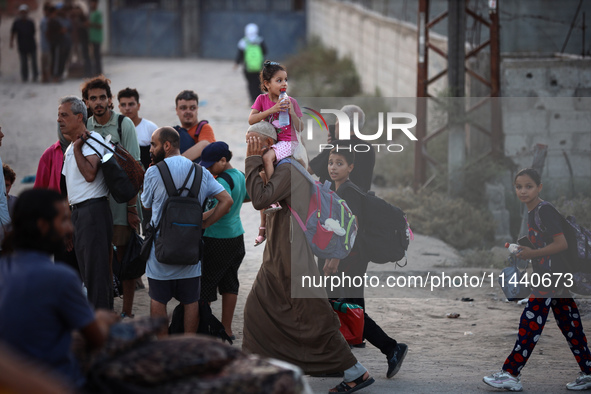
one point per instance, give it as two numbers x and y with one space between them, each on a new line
42 302
24 29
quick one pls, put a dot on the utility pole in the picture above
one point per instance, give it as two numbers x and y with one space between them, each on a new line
458 116
422 84
456 57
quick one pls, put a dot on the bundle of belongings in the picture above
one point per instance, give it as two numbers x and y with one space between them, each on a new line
134 361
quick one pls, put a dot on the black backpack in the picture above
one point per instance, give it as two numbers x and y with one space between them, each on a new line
384 233
179 242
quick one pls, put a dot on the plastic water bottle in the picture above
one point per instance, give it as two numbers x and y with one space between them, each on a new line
283 115
513 248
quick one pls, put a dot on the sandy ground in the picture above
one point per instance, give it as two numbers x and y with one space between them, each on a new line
446 355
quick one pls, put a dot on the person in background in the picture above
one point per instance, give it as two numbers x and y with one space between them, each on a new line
223 242
546 232
302 331
106 122
166 281
194 134
54 34
65 46
362 174
42 302
129 105
23 28
251 53
80 40
4 214
95 36
9 178
45 48
88 197
341 163
49 176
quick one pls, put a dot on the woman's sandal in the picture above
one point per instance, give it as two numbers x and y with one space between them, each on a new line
261 238
343 387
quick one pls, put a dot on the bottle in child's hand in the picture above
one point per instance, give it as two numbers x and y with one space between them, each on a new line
513 248
283 115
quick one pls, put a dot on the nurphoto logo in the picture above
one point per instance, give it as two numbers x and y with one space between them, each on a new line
393 123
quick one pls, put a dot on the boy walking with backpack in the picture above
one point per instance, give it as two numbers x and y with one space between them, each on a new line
340 165
174 264
224 241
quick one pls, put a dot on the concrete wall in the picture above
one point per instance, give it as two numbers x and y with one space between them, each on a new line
546 101
384 50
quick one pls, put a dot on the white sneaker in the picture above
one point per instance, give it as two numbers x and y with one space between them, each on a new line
504 380
583 382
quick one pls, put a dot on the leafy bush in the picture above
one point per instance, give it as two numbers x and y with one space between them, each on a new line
452 220
483 258
318 72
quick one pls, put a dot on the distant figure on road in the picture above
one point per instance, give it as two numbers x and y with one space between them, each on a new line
24 29
251 51
95 36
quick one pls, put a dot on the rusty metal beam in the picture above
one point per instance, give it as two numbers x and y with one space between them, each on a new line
478 77
437 19
437 50
477 49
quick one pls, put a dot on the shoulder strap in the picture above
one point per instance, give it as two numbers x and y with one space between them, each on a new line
167 179
226 177
100 143
200 126
94 149
119 122
196 186
538 219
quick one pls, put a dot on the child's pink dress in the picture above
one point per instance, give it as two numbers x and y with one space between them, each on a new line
286 138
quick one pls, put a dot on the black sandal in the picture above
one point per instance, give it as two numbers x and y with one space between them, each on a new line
343 387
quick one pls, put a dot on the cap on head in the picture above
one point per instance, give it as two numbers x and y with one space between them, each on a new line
251 31
263 128
213 153
23 7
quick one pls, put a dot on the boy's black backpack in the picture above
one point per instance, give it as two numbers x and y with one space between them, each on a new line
179 241
384 233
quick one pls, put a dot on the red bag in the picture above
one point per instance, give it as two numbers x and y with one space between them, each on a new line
351 317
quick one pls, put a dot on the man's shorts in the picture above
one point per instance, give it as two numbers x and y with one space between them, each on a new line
121 235
186 291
